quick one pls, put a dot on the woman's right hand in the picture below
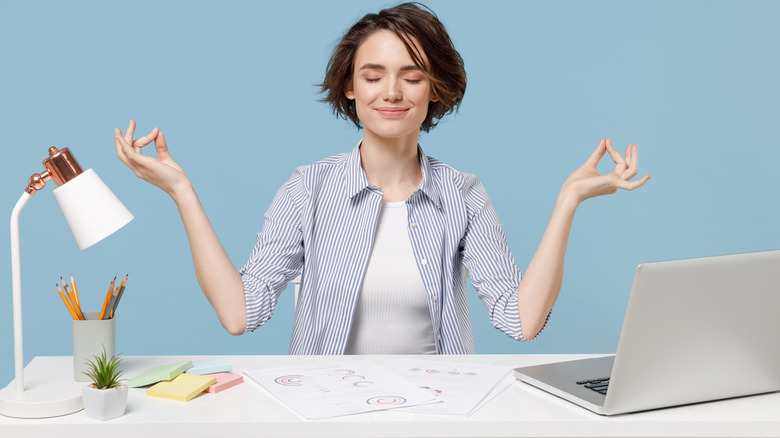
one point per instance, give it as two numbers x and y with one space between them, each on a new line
163 172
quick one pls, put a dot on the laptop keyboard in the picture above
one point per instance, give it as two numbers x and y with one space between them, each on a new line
599 385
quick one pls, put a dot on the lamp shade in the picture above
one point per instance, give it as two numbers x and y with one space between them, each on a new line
93 212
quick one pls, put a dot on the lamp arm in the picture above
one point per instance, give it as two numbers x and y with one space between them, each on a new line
16 273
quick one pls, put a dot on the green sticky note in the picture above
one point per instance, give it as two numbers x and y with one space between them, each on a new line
159 373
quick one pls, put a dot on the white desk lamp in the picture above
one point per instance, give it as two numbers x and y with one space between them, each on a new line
93 213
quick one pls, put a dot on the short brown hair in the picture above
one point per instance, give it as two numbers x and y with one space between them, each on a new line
444 69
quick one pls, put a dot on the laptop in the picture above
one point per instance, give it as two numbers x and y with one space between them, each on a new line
695 330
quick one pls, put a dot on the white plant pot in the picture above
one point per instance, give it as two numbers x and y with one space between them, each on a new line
104 404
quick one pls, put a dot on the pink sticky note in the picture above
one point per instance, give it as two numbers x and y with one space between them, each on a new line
224 381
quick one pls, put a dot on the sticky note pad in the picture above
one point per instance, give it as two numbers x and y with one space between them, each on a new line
182 388
210 366
162 372
224 381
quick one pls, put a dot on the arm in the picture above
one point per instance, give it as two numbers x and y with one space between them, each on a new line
542 281
216 274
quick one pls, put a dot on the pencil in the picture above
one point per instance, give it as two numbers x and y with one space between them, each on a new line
108 299
119 295
67 303
77 304
75 292
72 297
111 304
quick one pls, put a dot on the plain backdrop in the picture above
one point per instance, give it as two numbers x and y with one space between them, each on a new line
232 84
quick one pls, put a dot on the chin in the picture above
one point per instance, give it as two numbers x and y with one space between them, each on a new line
394 132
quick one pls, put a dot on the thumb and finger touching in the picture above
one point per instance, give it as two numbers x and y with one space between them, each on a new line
591 183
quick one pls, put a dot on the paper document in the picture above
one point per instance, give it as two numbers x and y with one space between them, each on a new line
321 391
461 387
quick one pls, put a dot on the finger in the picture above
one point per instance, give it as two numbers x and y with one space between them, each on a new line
633 163
595 157
130 131
631 185
119 148
146 139
161 146
117 133
119 152
125 148
620 163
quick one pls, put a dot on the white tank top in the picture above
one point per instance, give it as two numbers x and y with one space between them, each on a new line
392 315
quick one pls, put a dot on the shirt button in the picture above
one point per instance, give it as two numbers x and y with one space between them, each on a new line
434 299
413 225
438 337
424 262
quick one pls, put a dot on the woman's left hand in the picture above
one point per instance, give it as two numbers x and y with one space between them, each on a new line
586 182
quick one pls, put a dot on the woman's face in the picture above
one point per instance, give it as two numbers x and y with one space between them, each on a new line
391 93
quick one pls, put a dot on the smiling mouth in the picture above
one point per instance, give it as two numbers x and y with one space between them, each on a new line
392 111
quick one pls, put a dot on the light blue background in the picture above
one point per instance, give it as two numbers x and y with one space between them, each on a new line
693 83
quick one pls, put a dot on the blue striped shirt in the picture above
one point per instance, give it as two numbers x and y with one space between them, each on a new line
321 224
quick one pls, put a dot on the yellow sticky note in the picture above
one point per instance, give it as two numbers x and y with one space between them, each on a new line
183 387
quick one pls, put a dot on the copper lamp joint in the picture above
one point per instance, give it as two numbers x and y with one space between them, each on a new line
61 166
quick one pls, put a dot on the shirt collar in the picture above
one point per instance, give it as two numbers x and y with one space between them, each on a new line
356 181
354 176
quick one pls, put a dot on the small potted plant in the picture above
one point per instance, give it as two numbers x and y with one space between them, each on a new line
105 398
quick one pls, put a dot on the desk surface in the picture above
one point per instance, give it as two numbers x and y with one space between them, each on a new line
520 410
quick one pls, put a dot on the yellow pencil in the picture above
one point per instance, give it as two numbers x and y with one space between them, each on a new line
75 291
72 297
108 299
77 303
67 303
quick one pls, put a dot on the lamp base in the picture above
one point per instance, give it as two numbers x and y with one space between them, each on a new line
41 399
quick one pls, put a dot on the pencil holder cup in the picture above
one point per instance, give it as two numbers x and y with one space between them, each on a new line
90 336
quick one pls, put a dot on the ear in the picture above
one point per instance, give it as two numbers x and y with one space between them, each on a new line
434 96
350 94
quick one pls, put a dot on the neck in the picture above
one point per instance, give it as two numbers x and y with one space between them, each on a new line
391 164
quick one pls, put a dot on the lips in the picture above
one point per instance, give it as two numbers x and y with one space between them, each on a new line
392 111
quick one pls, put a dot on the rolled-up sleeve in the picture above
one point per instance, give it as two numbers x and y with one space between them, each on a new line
275 260
492 268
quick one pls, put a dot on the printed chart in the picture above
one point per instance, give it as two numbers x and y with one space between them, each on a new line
339 389
461 388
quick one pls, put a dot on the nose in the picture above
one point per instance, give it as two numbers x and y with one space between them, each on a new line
392 91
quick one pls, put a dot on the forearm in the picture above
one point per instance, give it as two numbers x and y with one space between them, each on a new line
216 274
542 280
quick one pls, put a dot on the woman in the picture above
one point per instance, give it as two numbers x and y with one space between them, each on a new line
384 236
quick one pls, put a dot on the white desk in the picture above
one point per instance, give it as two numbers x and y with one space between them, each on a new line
248 410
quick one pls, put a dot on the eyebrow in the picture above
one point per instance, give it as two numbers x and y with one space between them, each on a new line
369 66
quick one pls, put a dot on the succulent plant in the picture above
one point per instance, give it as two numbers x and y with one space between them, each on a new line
103 371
